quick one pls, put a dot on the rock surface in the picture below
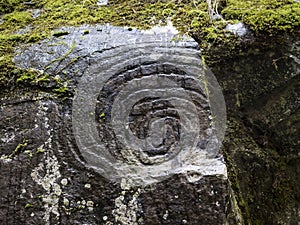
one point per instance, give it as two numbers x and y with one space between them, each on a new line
261 89
54 180
43 178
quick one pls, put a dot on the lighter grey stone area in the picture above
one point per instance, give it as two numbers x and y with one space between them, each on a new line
238 28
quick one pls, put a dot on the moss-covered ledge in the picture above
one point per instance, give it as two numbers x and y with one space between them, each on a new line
25 22
267 16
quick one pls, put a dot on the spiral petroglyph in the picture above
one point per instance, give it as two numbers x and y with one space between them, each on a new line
144 111
153 116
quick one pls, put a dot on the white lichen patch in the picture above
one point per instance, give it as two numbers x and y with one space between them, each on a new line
8 137
88 186
125 213
165 216
64 182
90 205
66 202
47 175
86 204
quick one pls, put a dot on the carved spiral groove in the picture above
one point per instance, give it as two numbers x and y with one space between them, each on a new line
143 111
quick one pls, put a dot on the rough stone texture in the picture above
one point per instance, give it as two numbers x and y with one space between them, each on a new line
261 88
45 179
261 148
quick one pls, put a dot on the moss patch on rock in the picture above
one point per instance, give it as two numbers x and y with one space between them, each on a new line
21 26
269 16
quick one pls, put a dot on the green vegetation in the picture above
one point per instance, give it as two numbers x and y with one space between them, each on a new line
17 20
20 147
266 15
61 90
60 33
102 117
190 17
31 75
29 153
28 205
7 6
40 150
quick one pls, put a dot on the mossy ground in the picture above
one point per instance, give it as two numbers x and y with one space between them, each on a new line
19 26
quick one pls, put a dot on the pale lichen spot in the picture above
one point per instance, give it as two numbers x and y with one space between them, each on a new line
88 186
64 182
66 202
46 174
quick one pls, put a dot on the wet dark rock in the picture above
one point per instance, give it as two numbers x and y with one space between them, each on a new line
261 88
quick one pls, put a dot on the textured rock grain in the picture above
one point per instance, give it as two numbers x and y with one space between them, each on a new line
60 187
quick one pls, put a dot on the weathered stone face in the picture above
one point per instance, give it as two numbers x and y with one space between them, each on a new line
21 128
84 168
261 89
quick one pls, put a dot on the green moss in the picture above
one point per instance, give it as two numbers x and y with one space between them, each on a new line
34 38
16 20
62 91
29 153
60 33
32 76
40 150
60 59
265 15
28 205
263 181
233 173
5 67
102 117
20 147
190 17
7 6
26 77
